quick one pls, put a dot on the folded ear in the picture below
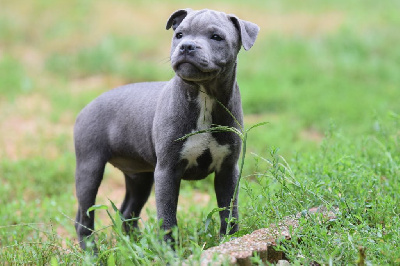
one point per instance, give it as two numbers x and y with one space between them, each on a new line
176 18
248 31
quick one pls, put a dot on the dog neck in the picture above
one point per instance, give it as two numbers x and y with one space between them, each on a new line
221 89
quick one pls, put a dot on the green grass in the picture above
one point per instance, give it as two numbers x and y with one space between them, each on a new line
357 176
324 74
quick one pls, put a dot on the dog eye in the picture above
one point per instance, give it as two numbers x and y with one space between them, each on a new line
179 35
216 37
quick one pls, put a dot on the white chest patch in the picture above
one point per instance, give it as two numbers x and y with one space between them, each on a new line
195 145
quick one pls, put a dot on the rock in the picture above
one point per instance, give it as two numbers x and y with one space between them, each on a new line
261 242
283 263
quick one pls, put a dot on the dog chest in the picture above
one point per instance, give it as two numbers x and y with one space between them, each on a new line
196 145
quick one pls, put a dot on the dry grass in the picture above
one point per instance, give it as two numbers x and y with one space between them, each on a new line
27 131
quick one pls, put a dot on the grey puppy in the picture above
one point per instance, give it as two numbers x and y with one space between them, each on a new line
135 127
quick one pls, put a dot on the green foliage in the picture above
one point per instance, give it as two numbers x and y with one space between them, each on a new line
330 95
13 78
125 57
355 178
334 69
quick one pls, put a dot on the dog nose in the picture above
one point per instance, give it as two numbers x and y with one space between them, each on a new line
188 47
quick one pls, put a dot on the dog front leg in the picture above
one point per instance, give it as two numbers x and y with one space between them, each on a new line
225 182
167 184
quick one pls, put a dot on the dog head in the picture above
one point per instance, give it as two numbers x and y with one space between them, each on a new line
206 43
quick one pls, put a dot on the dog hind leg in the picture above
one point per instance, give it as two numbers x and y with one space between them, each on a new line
89 175
138 189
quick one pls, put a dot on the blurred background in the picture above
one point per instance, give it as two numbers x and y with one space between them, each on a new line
316 66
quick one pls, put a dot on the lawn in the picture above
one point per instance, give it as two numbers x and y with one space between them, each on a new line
325 75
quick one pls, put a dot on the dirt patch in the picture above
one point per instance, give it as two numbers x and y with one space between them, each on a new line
125 18
27 131
128 19
94 83
31 57
253 119
311 134
306 24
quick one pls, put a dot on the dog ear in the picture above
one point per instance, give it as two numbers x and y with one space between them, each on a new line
248 31
176 18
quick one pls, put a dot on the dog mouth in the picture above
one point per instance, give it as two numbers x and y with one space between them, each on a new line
190 71
202 66
194 69
184 64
